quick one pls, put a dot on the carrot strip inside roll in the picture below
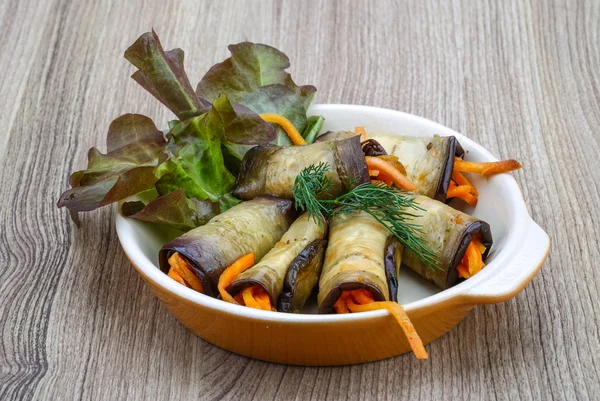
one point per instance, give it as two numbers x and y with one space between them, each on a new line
287 126
461 188
181 271
362 300
256 297
229 274
387 172
472 262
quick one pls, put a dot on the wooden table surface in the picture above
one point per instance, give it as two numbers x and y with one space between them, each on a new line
521 78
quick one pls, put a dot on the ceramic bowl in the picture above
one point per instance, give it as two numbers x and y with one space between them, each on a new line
520 248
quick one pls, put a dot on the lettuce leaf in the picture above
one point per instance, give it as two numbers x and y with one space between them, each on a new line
255 77
135 146
250 67
313 127
241 125
162 74
192 168
174 210
195 161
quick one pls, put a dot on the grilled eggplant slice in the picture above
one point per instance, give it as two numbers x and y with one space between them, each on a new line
291 269
428 160
272 170
447 232
253 226
302 277
360 254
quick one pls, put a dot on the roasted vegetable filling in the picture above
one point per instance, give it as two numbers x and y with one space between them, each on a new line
362 300
389 170
226 278
472 262
255 297
461 188
181 271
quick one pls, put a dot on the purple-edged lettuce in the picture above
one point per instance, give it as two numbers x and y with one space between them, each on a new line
173 209
193 168
134 147
250 67
255 77
162 74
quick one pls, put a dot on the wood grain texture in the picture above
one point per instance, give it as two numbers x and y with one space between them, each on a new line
522 78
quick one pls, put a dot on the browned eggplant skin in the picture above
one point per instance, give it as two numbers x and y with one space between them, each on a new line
263 163
295 250
205 252
455 241
290 300
480 228
392 259
455 149
371 147
302 277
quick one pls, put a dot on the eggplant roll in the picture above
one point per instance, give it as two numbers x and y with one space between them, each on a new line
447 232
272 170
253 226
428 160
362 253
290 270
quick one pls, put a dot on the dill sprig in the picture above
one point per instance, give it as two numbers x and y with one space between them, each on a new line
390 207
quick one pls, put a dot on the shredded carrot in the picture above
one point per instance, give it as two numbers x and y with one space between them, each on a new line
256 297
394 161
386 169
230 273
177 277
462 192
181 271
456 191
361 131
361 300
460 179
461 188
472 262
287 126
486 169
239 299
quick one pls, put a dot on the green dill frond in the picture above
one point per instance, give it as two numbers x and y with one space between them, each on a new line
391 207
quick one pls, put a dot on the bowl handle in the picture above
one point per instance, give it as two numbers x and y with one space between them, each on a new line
509 281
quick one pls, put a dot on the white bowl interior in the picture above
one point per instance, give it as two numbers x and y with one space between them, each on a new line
500 204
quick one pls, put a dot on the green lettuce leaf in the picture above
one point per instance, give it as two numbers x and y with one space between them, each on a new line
162 74
174 210
195 161
135 146
313 127
250 67
228 201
